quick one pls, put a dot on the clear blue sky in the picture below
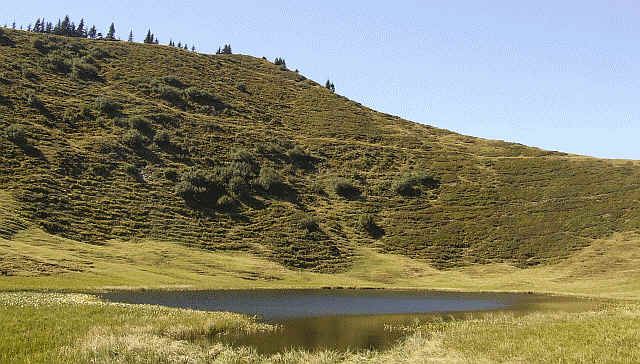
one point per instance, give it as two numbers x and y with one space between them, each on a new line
560 75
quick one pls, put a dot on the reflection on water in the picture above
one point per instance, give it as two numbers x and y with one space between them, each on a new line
337 319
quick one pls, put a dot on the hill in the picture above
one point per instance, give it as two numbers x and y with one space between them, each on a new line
108 141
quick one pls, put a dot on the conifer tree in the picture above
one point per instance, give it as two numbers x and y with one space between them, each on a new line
330 86
149 38
185 46
156 41
225 50
193 48
179 44
131 35
93 33
13 25
49 28
111 34
80 31
65 26
36 26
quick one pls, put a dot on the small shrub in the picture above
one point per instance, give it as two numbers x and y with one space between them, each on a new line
99 53
300 157
58 63
106 105
188 191
39 44
269 179
238 186
270 149
243 163
141 124
89 60
133 139
409 183
33 100
83 71
200 186
15 133
226 203
162 138
169 93
172 81
198 95
131 169
344 188
241 86
307 222
366 222
27 72
171 175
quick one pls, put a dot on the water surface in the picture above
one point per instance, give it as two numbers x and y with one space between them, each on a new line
334 319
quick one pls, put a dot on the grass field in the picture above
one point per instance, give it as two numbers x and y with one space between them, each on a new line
608 268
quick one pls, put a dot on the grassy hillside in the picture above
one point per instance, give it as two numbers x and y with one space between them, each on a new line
107 142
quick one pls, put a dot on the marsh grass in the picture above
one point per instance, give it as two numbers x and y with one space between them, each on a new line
47 328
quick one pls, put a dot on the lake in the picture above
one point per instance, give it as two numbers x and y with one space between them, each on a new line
337 319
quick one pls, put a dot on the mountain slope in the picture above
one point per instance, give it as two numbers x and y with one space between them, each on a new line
231 152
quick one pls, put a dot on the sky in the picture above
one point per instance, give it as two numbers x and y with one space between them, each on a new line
559 75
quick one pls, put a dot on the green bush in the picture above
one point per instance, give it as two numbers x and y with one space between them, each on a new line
39 44
226 203
133 139
409 183
238 186
162 138
269 179
83 71
344 187
141 124
33 100
172 81
99 53
15 133
366 222
106 105
171 174
89 60
198 95
169 93
131 169
200 186
270 149
243 164
241 86
27 72
307 222
58 63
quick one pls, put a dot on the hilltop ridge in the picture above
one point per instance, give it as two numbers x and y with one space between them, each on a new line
107 141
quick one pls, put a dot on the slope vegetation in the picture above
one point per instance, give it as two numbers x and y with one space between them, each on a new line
112 141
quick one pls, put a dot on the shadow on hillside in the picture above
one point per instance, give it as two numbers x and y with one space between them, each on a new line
6 41
283 192
148 155
376 231
33 152
5 100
